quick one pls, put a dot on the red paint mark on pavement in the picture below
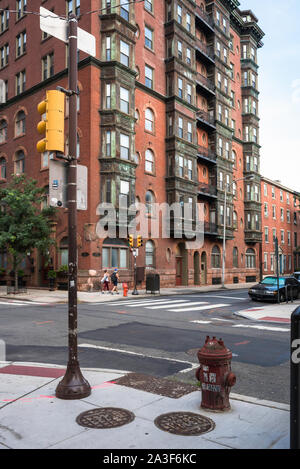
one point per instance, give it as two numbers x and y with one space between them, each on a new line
243 343
33 371
43 322
254 309
270 318
122 312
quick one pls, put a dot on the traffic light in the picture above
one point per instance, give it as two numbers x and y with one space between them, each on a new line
130 240
139 241
53 123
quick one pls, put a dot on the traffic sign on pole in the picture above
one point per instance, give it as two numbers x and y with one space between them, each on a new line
58 27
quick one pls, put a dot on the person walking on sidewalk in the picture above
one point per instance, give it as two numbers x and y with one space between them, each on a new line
105 282
114 280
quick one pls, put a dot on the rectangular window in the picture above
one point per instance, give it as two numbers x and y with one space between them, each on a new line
180 88
190 169
266 234
48 66
188 56
188 22
124 100
148 38
282 236
149 72
20 82
179 14
179 49
73 6
189 93
265 261
21 44
21 6
108 143
124 147
4 20
180 127
124 9
124 192
124 53
4 55
190 132
108 96
108 48
148 5
181 169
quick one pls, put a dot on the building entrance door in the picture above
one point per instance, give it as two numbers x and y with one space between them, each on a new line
203 269
178 271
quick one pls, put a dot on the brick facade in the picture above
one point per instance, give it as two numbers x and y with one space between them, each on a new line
190 123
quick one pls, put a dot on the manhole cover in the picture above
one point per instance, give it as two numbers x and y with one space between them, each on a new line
184 423
106 417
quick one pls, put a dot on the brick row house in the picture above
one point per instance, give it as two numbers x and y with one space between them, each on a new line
167 113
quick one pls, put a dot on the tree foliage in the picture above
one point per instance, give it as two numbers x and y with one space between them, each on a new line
24 224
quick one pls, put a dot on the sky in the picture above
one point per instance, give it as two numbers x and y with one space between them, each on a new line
279 86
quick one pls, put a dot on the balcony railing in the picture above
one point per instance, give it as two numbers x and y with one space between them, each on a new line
205 82
207 189
206 117
203 15
210 228
207 50
207 153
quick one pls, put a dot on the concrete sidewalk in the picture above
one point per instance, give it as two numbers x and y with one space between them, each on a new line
60 296
33 418
271 313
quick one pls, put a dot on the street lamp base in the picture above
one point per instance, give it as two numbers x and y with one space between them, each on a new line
135 292
73 385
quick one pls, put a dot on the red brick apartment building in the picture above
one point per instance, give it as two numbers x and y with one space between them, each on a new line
281 219
167 112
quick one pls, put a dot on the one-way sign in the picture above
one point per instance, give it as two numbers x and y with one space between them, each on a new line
58 27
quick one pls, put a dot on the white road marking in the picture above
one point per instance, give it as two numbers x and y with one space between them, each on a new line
129 352
171 303
18 303
168 302
263 328
198 308
201 322
136 302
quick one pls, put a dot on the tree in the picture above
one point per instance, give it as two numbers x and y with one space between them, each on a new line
24 224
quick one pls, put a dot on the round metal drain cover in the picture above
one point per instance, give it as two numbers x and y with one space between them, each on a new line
184 423
106 417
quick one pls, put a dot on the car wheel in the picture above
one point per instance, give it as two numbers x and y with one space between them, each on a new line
282 297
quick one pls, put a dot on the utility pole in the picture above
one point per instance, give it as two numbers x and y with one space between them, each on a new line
73 384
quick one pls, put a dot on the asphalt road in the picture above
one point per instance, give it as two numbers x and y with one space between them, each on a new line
158 336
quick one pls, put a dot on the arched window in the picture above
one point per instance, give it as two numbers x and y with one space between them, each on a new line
235 258
250 259
19 162
149 120
20 123
150 254
216 257
234 219
2 168
149 161
149 199
3 131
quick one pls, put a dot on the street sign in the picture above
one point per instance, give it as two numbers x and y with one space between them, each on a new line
58 27
81 187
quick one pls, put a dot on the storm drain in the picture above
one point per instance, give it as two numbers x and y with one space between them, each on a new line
184 423
105 417
160 386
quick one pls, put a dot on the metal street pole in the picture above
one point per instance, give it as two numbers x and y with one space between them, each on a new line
295 381
277 267
224 238
73 384
135 292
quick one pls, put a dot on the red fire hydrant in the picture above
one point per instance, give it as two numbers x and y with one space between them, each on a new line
215 374
125 289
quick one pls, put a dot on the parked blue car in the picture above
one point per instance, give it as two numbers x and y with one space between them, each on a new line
267 289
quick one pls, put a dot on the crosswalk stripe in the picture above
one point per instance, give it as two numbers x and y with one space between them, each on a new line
197 308
170 303
263 328
201 322
137 302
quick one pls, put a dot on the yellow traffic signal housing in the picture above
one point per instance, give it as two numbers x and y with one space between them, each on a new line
130 240
53 123
139 241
